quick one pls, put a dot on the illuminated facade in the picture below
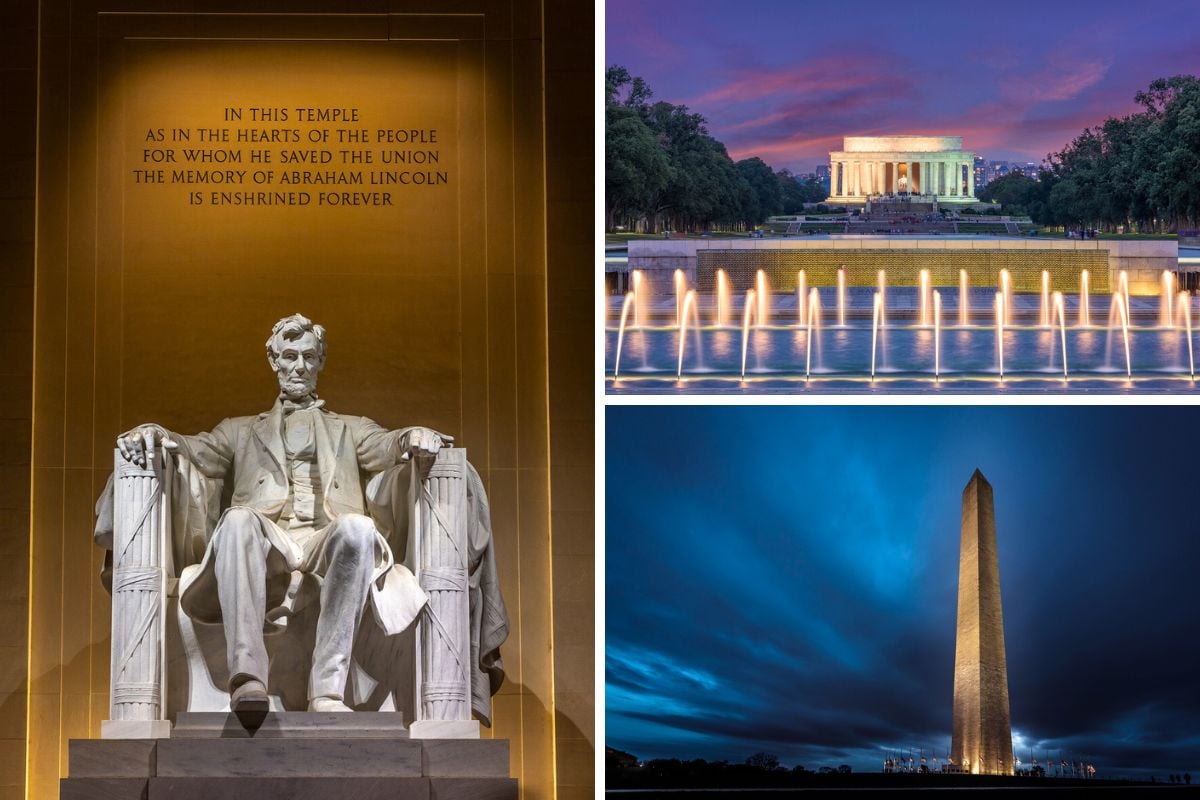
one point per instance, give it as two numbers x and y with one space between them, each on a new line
929 167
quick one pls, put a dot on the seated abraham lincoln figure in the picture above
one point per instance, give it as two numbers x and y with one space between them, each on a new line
297 511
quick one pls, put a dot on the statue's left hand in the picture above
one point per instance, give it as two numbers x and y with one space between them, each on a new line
423 444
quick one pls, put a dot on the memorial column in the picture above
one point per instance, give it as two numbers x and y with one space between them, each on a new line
895 185
971 180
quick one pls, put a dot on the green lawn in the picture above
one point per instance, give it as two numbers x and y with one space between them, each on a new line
982 227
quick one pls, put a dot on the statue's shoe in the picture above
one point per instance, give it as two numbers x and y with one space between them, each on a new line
250 696
327 704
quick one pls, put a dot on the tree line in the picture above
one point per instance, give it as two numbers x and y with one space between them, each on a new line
1139 173
664 171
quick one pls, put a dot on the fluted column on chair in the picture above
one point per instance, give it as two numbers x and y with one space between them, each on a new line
443 638
140 552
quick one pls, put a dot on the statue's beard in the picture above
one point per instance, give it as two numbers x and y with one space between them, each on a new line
296 388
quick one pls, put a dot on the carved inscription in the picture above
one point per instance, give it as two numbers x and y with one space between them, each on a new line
291 156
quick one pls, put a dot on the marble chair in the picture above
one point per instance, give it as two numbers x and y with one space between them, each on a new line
165 663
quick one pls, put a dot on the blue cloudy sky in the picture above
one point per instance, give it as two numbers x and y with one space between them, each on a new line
784 579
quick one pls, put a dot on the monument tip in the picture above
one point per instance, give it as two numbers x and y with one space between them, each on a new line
977 477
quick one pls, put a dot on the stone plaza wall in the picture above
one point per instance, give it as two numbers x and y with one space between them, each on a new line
903 257
903 267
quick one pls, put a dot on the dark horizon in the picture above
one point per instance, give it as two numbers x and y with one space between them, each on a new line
784 580
786 81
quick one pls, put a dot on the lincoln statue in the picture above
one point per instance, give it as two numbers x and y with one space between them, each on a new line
299 509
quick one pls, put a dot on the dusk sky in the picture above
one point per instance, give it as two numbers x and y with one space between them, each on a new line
784 579
786 80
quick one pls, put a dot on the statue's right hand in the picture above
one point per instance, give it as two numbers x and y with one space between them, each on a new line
142 440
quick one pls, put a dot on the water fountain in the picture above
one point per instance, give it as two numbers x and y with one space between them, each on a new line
636 277
1045 298
689 309
875 330
1085 320
1185 313
801 295
1123 314
630 300
724 293
814 320
1060 308
923 297
763 298
680 281
1006 291
898 349
746 313
1166 303
937 336
964 312
881 281
1123 286
1000 332
841 297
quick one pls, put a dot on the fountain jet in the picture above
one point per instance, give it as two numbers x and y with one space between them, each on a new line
630 300
1085 320
801 296
1060 308
636 277
881 280
875 330
1166 303
764 298
923 300
1006 290
724 292
1046 299
746 313
937 336
680 291
841 296
814 320
1123 283
964 312
1000 332
1185 312
689 306
1123 313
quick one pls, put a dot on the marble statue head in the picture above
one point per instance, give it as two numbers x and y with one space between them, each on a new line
296 351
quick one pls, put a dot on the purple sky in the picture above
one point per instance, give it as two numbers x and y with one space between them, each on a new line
786 79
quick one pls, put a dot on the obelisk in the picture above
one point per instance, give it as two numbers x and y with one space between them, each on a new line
982 733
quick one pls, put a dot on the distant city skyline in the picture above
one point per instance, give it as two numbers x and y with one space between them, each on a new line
786 81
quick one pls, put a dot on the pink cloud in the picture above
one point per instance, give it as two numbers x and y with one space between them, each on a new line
1057 82
825 74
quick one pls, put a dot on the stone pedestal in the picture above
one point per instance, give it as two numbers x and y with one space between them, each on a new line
289 755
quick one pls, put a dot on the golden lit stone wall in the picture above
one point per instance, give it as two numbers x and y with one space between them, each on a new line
18 140
151 308
903 267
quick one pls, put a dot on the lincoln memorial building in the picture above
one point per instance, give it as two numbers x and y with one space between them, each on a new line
925 167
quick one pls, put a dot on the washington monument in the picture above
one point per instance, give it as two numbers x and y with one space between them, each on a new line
982 737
